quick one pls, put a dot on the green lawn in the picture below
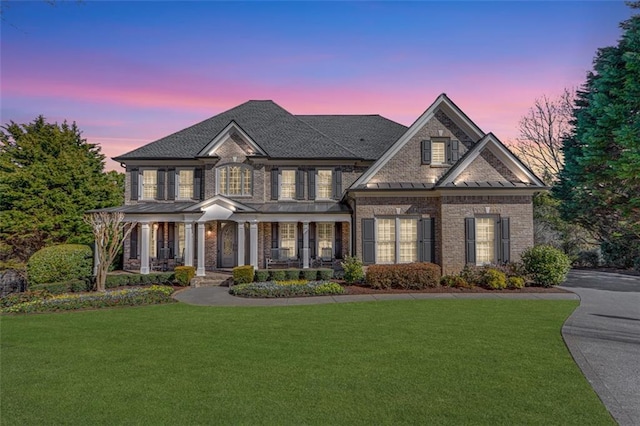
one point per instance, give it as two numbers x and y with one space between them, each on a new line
429 362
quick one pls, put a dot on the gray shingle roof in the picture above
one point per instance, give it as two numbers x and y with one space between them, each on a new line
282 135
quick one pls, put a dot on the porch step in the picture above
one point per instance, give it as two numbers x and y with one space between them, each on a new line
211 279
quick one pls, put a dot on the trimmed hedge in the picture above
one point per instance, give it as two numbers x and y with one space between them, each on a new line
265 275
243 274
184 275
272 289
412 276
545 265
122 280
262 275
60 263
72 286
69 302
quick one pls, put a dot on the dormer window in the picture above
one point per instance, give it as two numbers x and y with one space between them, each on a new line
234 179
440 151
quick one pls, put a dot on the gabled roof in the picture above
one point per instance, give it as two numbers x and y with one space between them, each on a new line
279 134
522 172
446 105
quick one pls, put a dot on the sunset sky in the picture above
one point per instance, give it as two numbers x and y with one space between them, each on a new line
131 72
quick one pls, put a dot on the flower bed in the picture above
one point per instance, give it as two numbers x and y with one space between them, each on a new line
67 302
273 289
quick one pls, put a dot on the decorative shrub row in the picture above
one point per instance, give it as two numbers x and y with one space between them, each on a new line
272 289
68 302
184 274
24 297
414 276
71 286
123 280
264 275
60 263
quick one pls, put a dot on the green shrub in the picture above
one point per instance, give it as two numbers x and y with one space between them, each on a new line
184 274
262 275
310 274
325 274
24 297
243 274
291 274
60 263
546 265
515 282
493 279
588 259
277 275
353 272
128 297
52 288
454 281
413 276
272 289
472 274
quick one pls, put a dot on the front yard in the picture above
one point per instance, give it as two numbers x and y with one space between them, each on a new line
427 361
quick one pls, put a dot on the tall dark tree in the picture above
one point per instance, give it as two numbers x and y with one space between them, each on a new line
600 181
49 177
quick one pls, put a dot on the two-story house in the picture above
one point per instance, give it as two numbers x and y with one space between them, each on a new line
257 185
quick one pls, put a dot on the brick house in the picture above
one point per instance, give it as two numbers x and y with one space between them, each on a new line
257 185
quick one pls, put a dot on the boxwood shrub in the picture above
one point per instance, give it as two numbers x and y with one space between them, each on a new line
262 275
277 275
71 286
309 274
271 289
545 265
291 274
243 274
60 263
184 274
413 276
493 279
325 274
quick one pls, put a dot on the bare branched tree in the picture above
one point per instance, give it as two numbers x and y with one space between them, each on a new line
109 231
539 144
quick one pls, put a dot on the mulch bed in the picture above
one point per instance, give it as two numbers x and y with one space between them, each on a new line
356 289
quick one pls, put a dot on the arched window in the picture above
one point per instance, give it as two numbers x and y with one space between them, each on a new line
235 179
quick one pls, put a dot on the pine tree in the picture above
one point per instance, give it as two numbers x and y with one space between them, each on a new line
49 177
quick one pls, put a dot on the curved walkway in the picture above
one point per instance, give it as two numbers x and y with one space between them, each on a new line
603 335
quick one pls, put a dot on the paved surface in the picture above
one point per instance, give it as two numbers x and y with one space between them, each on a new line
219 296
603 335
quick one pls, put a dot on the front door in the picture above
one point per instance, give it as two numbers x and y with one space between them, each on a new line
228 244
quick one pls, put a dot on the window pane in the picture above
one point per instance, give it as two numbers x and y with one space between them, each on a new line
185 184
386 240
438 153
149 184
288 184
485 240
222 180
246 181
288 238
325 236
324 184
234 180
408 240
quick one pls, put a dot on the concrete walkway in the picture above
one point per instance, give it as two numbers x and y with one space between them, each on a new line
603 335
219 296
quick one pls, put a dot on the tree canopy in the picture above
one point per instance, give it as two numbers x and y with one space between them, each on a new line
600 182
49 177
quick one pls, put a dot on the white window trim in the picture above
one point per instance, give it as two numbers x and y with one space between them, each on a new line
280 182
396 259
141 184
177 182
444 144
318 197
494 246
295 238
242 168
332 239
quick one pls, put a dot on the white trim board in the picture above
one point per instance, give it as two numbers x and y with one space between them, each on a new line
221 138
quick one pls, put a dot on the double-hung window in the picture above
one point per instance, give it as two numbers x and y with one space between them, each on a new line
408 241
149 184
184 184
485 240
386 241
325 184
287 184
288 238
438 152
325 237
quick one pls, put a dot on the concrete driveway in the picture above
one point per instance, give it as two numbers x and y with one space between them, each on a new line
603 335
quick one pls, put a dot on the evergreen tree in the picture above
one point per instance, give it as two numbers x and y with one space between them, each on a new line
600 181
49 177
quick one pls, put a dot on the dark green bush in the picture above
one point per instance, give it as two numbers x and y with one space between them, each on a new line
184 274
413 276
310 274
454 281
243 274
60 263
52 288
515 282
621 251
353 272
262 275
472 274
588 259
546 265
291 274
493 279
325 274
277 275
271 289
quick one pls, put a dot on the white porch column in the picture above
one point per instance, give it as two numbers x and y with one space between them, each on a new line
188 244
144 249
305 244
200 270
253 244
240 243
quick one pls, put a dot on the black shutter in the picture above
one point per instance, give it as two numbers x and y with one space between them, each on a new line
133 243
299 184
160 240
505 241
338 238
427 240
172 238
197 184
311 178
454 151
135 179
337 184
274 235
368 241
312 240
426 152
300 242
171 184
470 239
160 184
274 184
